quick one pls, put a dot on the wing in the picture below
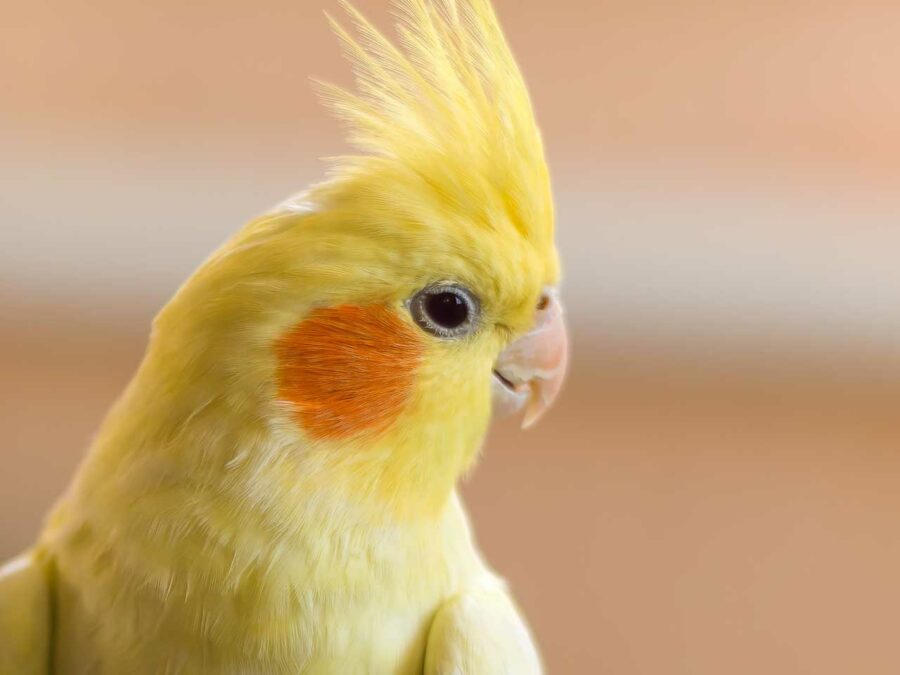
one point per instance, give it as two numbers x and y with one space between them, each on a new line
480 633
25 616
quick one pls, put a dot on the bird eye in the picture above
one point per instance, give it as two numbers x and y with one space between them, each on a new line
445 310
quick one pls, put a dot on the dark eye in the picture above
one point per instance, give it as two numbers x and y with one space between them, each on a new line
445 310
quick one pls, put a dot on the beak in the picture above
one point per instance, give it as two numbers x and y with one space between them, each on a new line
530 372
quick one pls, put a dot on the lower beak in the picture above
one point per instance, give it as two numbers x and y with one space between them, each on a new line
530 372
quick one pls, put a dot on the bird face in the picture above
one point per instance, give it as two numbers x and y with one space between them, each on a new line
376 338
426 334
360 350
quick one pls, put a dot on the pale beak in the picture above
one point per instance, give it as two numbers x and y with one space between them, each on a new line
530 371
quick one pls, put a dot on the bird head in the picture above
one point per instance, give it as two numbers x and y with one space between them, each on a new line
370 322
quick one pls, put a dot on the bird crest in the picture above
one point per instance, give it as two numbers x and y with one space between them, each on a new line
445 105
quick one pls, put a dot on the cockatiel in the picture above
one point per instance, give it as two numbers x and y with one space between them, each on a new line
275 491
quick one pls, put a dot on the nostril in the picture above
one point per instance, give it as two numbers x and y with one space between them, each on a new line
543 302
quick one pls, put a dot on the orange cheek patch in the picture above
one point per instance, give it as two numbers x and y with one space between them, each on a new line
348 369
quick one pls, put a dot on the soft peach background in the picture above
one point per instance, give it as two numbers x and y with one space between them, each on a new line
717 490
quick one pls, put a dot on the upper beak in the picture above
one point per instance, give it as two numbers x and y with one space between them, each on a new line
530 371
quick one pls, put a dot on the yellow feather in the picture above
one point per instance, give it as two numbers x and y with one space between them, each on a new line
453 110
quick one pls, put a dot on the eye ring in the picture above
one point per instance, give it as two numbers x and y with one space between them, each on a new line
445 310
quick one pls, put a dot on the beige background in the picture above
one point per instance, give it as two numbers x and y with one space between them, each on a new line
717 490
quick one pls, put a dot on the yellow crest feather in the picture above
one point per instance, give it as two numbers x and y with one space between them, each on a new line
449 105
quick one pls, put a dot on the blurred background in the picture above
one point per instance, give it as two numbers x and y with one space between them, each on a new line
717 490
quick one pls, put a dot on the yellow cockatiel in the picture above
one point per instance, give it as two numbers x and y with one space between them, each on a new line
275 491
